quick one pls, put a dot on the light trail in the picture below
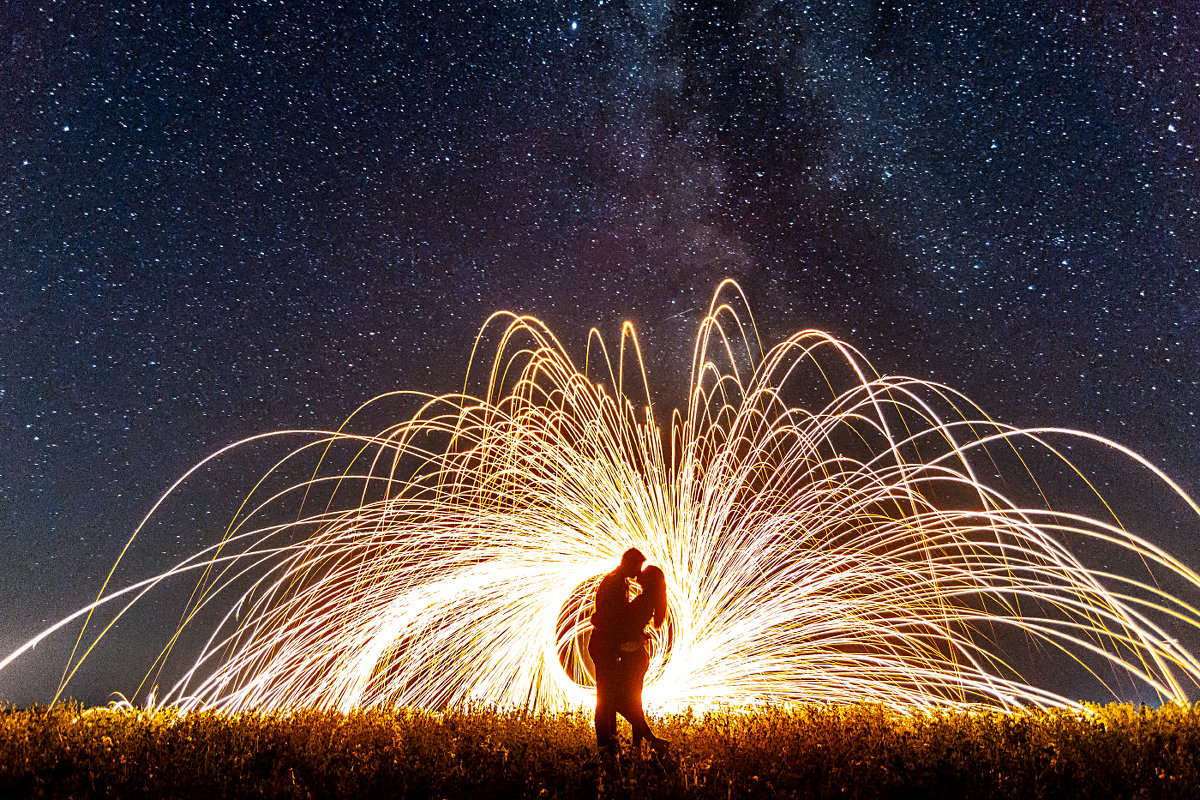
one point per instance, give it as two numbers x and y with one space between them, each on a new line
838 547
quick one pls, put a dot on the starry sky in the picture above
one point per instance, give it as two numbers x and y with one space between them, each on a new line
219 219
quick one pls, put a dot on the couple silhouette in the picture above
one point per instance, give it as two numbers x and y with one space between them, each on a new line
618 647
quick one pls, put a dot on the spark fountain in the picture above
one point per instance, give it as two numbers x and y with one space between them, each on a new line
843 547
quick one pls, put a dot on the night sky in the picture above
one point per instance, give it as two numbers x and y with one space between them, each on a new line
228 218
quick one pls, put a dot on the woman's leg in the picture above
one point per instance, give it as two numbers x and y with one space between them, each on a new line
626 698
637 679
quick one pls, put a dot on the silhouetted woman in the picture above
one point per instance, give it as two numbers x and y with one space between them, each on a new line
648 608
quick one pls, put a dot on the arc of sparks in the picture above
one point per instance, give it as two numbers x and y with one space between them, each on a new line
842 547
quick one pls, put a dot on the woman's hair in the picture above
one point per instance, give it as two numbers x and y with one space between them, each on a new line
654 584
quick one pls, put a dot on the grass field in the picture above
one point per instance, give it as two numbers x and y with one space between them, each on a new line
820 751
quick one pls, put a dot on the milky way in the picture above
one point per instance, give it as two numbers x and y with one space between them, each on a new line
226 219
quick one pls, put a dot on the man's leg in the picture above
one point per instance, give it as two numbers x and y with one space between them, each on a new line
606 707
606 710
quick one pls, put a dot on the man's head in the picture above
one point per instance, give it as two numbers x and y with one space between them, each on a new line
631 562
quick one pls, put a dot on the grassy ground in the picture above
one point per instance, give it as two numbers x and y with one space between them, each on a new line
862 751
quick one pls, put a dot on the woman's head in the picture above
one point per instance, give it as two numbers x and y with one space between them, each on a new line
651 579
654 584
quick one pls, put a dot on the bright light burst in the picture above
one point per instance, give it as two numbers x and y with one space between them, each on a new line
844 549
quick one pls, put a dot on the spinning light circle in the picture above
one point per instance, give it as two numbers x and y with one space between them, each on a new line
827 534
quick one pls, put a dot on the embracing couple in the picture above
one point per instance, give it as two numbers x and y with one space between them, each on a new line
618 647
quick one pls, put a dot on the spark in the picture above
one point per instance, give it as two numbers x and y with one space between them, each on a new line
825 533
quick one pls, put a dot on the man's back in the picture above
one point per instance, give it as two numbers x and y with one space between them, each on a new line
612 597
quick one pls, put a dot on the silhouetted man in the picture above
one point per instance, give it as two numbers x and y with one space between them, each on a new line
612 603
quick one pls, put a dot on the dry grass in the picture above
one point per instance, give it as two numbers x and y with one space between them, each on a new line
857 751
